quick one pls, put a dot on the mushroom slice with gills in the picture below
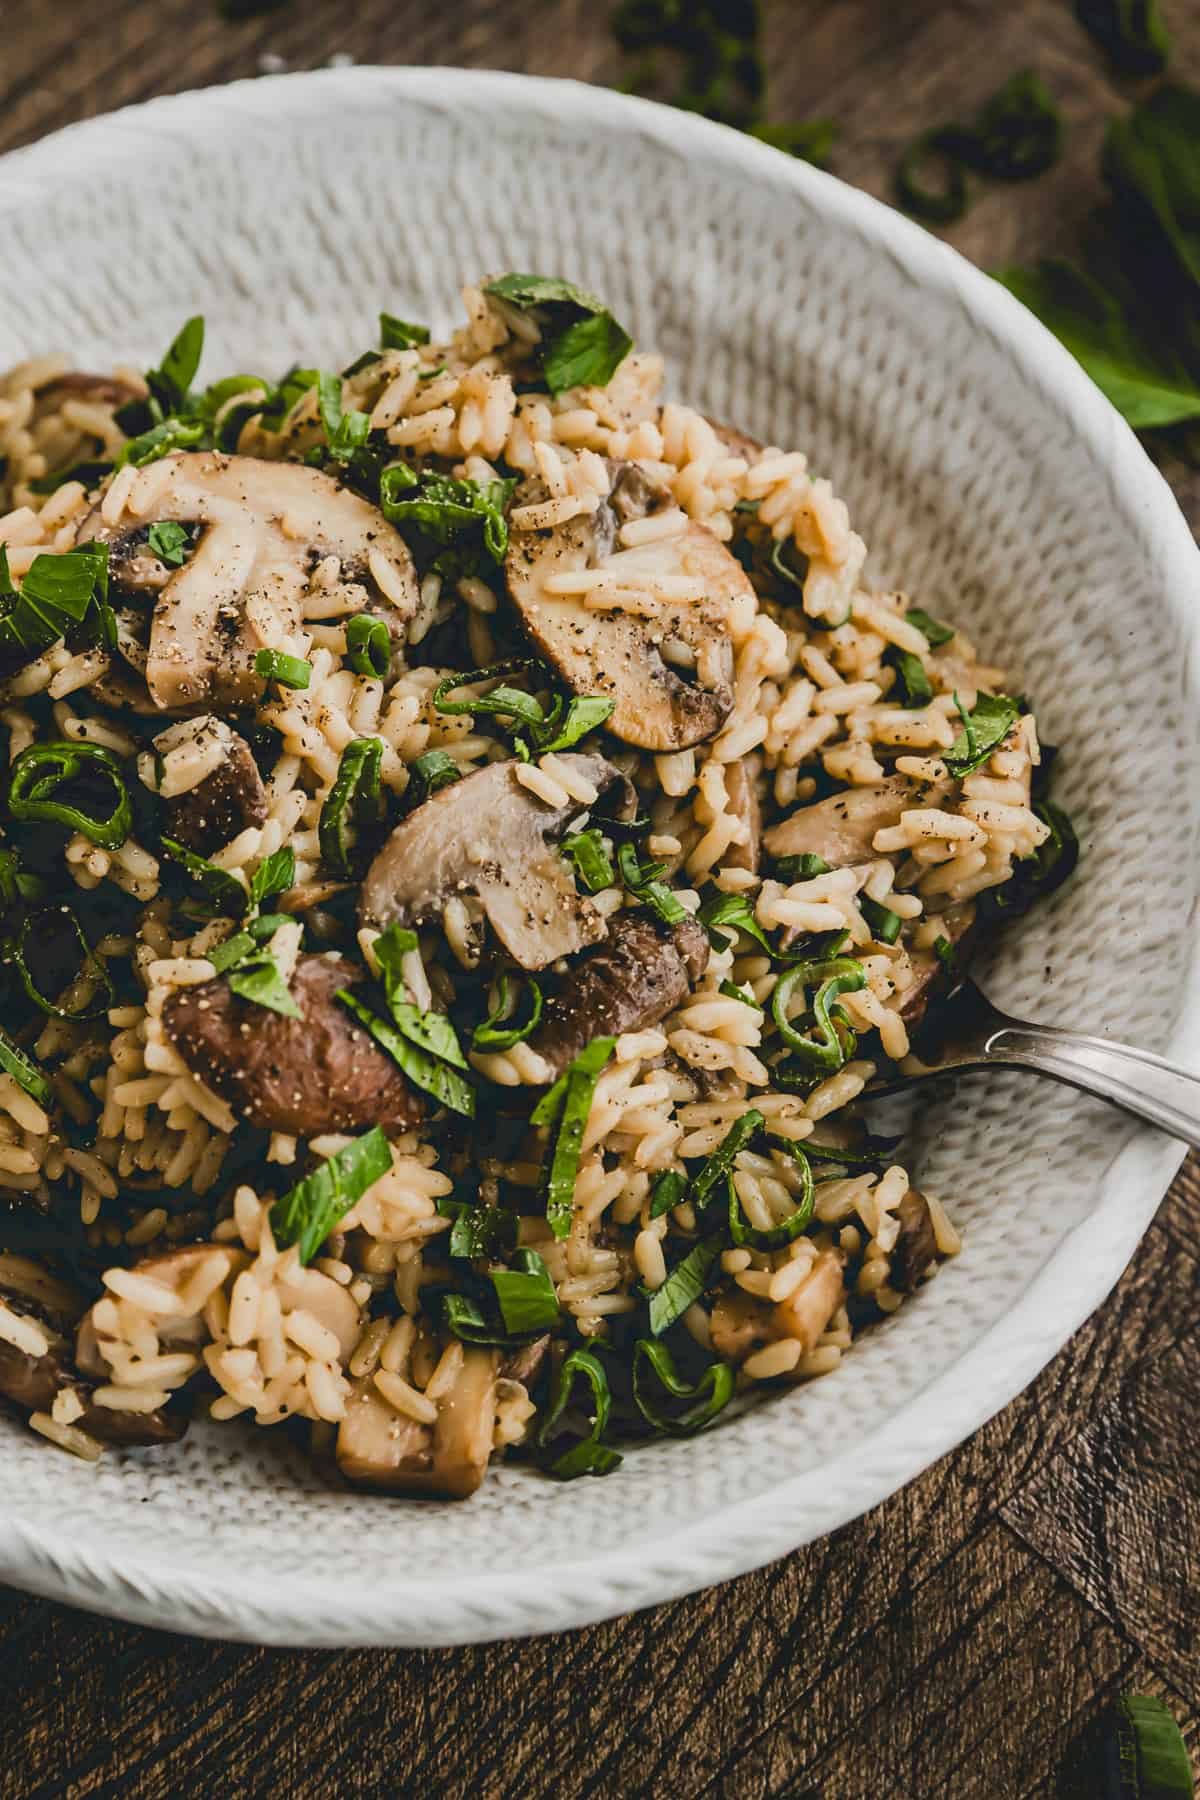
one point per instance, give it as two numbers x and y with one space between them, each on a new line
641 972
207 777
489 836
841 829
320 1072
379 1447
916 1247
262 529
669 670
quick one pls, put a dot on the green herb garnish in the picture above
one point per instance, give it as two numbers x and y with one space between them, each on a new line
667 1192
223 892
885 924
78 785
525 1292
836 1042
169 542
566 1105
459 526
368 646
589 1456
581 343
60 596
501 1029
24 1071
423 1069
355 801
685 1284
314 1207
734 913
642 880
39 933
592 863
288 671
260 980
984 729
656 1377
398 334
1131 31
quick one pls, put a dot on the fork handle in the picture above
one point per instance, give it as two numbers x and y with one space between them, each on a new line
1136 1080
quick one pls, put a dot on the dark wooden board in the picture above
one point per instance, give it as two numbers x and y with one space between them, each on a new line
955 1639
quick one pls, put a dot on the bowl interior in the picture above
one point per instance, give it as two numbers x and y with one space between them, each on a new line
988 481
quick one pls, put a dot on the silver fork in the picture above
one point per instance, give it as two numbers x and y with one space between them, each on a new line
965 1031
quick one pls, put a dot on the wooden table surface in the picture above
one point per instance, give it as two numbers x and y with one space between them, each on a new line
954 1640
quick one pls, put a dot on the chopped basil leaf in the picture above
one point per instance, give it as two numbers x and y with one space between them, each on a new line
667 1192
479 1231
160 440
345 432
398 334
719 1163
466 518
59 595
500 1031
231 951
528 1302
424 1070
1038 875
984 730
836 1042
585 712
169 542
590 1456
431 1031
275 874
592 863
313 1208
914 684
643 882
685 1284
581 343
784 1230
930 628
429 773
23 1069
98 805
390 948
260 980
653 1365
368 646
288 671
734 912
224 892
567 1104
885 924
171 382
355 800
509 702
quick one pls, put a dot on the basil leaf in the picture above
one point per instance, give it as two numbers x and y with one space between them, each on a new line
429 773
431 1031
368 646
315 1206
528 1302
885 924
390 948
1150 163
581 344
735 912
508 701
160 440
585 712
424 1070
355 800
222 891
169 542
345 432
654 1367
398 334
1131 31
58 782
720 1162
984 730
275 874
1034 876
685 1284
260 980
915 687
465 515
642 881
930 628
667 1192
805 867
592 865
171 382
1144 382
833 1048
573 1102
288 671
24 1071
56 597
732 991
479 1231
231 951
590 1456
499 1031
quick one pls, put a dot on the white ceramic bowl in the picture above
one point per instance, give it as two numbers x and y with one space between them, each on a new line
990 478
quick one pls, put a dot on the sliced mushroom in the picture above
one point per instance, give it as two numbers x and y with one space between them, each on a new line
525 1365
641 972
806 1312
842 828
489 836
172 1269
78 384
670 674
320 1072
738 443
916 1247
738 1324
378 1447
958 926
741 791
226 801
265 527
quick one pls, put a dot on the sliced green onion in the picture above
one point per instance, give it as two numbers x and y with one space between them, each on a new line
24 1071
590 1456
429 773
667 1192
38 774
355 800
313 1208
685 1284
424 1070
274 875
500 1030
643 882
984 730
525 1292
569 1101
260 980
223 891
885 924
774 1237
654 1365
836 975
719 1164
592 862
36 932
510 702
369 646
288 671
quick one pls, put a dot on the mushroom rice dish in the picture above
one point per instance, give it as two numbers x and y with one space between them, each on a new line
471 832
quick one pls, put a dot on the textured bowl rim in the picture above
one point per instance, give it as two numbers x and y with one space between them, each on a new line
153 1588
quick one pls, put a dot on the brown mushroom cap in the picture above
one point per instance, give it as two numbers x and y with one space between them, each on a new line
320 1072
842 828
916 1247
225 802
266 525
657 706
489 836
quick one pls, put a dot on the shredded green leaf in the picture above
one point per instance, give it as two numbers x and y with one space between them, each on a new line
929 627
589 1456
655 1374
479 1231
833 1047
592 862
667 1192
423 1069
685 1284
313 1208
24 1070
642 880
169 542
885 924
526 1296
368 646
984 730
398 334
734 912
355 803
77 785
566 1105
260 980
501 1029
581 343
463 520
223 891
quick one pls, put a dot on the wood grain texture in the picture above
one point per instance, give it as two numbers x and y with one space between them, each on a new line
954 1640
